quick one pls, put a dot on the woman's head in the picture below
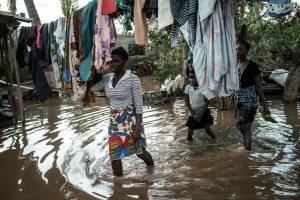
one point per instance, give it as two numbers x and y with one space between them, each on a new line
119 59
242 50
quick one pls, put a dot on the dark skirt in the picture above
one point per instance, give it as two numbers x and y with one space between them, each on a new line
245 115
207 119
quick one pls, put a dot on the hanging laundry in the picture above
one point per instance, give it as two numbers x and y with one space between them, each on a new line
88 23
105 38
278 8
22 54
44 49
57 51
127 8
151 8
41 85
165 17
214 55
108 7
140 22
184 11
75 52
38 36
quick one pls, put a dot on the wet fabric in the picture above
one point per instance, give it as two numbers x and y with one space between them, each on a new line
140 23
44 49
245 115
165 17
151 4
22 54
105 37
184 11
38 36
57 54
41 85
207 119
247 97
121 139
75 52
108 6
60 34
127 9
88 23
214 56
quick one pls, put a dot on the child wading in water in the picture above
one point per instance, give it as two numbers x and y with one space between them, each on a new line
200 116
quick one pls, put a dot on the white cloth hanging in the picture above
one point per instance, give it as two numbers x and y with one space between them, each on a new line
165 17
214 56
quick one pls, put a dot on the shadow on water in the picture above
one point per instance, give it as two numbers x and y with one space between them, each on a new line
67 157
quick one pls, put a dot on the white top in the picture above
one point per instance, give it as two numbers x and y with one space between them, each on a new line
197 100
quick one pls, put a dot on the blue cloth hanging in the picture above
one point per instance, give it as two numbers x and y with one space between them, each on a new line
278 8
88 22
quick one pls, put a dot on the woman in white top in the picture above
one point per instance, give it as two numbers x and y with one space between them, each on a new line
200 116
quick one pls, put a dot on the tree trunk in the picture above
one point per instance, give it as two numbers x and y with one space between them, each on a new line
292 84
32 12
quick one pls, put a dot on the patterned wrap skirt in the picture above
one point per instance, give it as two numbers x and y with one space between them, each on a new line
121 139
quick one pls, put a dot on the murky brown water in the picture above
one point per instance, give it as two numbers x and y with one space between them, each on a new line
67 157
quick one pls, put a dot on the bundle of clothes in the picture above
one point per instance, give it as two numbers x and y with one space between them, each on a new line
75 49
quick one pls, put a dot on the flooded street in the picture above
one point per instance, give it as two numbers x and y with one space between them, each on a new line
67 157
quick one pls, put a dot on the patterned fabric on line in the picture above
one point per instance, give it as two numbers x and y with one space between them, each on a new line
121 134
105 37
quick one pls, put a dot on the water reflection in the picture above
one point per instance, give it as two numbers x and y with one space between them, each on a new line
67 157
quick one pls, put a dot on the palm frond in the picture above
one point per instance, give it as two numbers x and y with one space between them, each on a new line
68 6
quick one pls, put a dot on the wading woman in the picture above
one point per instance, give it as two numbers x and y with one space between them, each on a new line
250 94
126 131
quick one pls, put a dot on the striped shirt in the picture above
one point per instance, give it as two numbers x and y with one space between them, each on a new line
127 92
184 11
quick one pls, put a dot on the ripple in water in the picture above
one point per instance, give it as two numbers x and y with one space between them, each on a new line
69 153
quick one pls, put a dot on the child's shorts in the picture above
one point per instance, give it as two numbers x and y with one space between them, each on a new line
207 119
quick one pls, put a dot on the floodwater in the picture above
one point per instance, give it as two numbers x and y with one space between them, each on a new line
67 157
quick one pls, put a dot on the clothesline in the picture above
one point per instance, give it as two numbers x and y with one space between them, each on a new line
78 47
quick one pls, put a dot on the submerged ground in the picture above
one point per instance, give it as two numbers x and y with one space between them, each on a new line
67 156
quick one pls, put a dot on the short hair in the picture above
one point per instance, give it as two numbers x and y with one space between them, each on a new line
246 44
120 51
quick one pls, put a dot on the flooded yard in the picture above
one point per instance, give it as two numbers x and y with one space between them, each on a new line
67 157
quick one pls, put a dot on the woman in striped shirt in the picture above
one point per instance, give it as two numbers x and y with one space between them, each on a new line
126 131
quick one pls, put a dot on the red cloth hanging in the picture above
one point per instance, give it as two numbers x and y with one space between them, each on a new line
108 7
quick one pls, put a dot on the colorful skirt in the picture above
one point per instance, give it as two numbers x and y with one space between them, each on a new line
121 139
